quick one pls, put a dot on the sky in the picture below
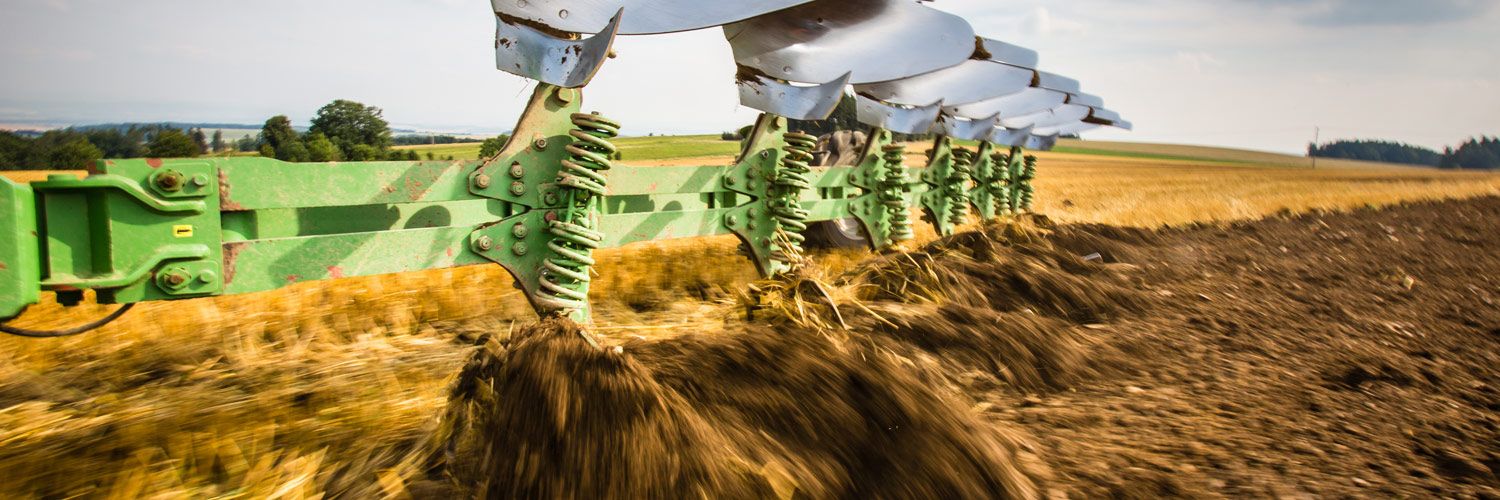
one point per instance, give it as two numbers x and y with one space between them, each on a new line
1259 74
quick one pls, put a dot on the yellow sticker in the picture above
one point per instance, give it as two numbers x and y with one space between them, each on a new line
183 231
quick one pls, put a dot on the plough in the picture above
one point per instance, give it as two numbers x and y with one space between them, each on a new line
164 229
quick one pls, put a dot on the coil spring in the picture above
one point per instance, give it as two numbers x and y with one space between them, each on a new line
791 179
893 192
958 194
565 276
999 185
1028 192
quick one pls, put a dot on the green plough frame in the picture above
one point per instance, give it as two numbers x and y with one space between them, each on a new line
148 229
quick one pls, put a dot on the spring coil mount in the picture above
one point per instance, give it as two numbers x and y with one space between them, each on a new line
893 192
958 193
565 274
999 185
1026 191
786 196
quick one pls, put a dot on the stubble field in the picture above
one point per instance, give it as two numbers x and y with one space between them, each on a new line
337 388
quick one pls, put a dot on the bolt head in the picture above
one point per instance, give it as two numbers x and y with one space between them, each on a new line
484 243
550 198
540 143
518 188
519 248
729 181
780 122
519 230
733 220
482 181
566 96
200 180
752 225
170 180
207 277
516 170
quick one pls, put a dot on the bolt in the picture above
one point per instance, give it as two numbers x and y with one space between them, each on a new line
484 244
200 180
170 181
732 220
207 277
750 184
729 181
540 143
519 248
519 230
482 181
753 213
518 188
550 198
174 279
752 225
565 95
780 122
516 170
765 154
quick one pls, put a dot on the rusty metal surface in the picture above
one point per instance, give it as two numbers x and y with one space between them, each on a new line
875 40
528 52
641 17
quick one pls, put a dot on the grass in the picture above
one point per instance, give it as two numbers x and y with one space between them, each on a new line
332 387
632 149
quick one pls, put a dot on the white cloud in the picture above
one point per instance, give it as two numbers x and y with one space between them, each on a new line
1196 60
1041 21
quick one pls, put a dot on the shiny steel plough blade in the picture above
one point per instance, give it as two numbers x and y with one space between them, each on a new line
874 40
966 129
1010 137
996 69
528 52
1047 91
897 118
645 16
792 101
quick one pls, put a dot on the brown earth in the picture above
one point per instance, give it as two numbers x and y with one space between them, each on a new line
1349 354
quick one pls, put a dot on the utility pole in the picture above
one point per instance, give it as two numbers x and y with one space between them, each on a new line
1317 133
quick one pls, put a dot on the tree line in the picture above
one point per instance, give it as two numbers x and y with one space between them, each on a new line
1476 153
341 131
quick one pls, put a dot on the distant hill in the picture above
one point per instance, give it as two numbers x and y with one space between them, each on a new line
177 125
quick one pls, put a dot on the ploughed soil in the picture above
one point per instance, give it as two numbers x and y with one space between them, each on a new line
1318 355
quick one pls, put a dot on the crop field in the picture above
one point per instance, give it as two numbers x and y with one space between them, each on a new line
1183 321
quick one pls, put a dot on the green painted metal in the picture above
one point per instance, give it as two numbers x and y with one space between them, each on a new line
985 193
150 229
946 203
20 275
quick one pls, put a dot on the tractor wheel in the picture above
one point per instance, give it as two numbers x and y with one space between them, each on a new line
837 233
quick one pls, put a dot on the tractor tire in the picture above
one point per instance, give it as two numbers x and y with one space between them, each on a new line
838 233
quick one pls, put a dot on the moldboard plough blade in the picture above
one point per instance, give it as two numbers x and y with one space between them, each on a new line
984 76
566 62
897 118
798 102
873 40
1046 92
644 17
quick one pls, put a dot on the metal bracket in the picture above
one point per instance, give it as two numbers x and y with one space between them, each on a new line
162 223
528 52
985 194
753 175
945 204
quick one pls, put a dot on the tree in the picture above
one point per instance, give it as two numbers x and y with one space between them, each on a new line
116 144
320 149
281 141
365 152
493 145
351 124
200 140
62 150
13 150
1481 153
172 143
218 142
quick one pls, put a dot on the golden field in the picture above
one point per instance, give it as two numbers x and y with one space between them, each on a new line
334 387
